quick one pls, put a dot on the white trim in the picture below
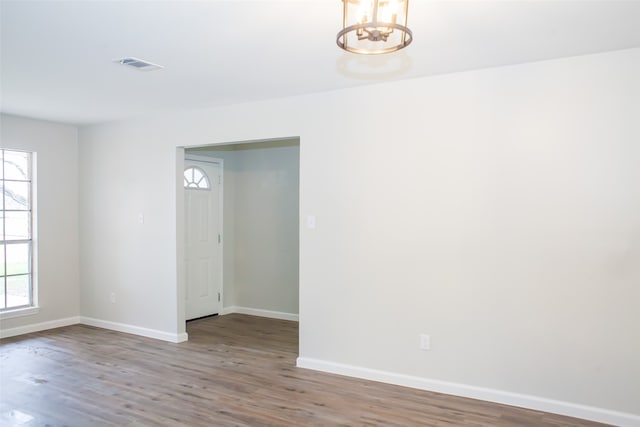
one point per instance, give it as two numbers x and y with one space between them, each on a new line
182 337
35 241
19 312
135 330
262 313
37 327
198 158
491 395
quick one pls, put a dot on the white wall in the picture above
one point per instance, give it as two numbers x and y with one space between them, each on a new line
496 210
56 148
261 204
266 228
122 177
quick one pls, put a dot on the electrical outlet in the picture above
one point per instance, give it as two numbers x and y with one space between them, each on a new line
425 342
112 297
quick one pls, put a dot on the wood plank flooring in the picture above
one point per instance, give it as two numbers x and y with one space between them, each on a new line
236 370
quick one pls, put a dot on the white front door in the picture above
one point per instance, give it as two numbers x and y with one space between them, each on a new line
203 252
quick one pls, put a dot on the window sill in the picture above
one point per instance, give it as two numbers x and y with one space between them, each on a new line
19 312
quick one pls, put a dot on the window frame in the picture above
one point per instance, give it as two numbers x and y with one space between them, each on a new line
32 307
204 177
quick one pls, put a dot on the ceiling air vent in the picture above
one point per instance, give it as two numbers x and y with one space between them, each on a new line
139 64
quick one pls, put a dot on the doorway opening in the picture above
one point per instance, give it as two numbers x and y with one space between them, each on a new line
256 244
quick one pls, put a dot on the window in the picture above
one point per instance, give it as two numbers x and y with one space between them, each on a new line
16 250
195 177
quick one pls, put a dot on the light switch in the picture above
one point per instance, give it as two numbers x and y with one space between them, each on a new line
425 342
141 218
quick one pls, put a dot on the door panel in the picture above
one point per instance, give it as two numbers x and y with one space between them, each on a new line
203 253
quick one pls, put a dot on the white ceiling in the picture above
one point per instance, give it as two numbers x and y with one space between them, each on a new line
57 56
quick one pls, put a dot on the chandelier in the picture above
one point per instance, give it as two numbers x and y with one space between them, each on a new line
371 27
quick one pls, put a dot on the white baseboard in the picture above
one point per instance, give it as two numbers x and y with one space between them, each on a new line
473 392
135 330
37 327
262 313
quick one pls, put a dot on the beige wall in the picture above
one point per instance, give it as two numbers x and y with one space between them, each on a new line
56 148
495 210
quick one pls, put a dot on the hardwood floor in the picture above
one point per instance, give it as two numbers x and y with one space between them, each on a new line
236 370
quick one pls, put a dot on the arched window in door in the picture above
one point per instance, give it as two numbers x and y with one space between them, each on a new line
196 178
